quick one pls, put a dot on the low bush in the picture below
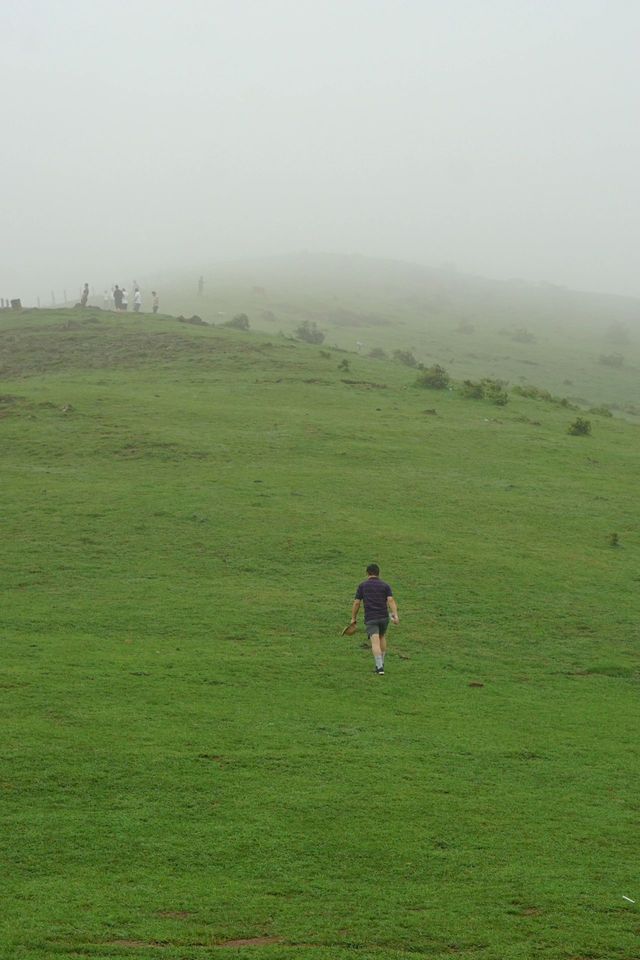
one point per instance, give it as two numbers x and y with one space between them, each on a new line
486 389
434 378
309 332
471 390
522 335
465 326
618 332
601 411
532 392
406 357
378 354
611 359
239 322
580 427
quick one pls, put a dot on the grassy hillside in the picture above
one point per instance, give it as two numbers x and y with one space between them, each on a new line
195 763
543 335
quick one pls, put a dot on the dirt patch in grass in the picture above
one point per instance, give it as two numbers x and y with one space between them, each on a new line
144 447
144 944
251 942
612 670
312 380
367 384
10 404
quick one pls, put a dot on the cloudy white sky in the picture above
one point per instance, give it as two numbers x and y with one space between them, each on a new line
501 135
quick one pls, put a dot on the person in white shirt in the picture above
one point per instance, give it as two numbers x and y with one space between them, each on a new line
137 300
125 299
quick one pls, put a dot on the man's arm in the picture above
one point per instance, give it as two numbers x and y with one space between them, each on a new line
393 607
354 611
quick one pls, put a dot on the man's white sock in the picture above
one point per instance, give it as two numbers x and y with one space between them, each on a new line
379 661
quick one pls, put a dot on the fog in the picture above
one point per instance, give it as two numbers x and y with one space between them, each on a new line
141 136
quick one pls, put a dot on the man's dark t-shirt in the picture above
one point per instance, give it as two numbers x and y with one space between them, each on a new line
374 593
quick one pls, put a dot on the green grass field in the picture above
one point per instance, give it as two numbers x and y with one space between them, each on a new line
195 764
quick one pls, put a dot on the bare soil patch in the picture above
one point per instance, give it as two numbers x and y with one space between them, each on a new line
251 942
137 943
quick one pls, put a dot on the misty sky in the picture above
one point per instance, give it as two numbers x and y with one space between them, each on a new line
501 135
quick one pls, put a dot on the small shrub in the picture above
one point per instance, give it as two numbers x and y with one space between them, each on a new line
601 411
325 354
434 378
520 335
580 427
486 389
195 319
618 332
465 326
239 322
406 357
309 332
614 540
344 365
378 354
494 391
532 392
611 360
471 390
523 336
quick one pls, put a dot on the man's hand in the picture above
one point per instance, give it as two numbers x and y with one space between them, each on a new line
395 618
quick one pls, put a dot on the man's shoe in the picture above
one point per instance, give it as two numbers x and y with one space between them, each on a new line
380 671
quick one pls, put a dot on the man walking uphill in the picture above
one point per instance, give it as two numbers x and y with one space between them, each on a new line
378 600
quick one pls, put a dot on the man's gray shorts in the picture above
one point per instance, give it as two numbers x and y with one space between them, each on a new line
377 626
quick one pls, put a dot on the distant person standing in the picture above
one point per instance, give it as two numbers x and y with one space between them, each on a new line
106 300
85 295
125 299
155 301
117 297
200 286
137 300
378 600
